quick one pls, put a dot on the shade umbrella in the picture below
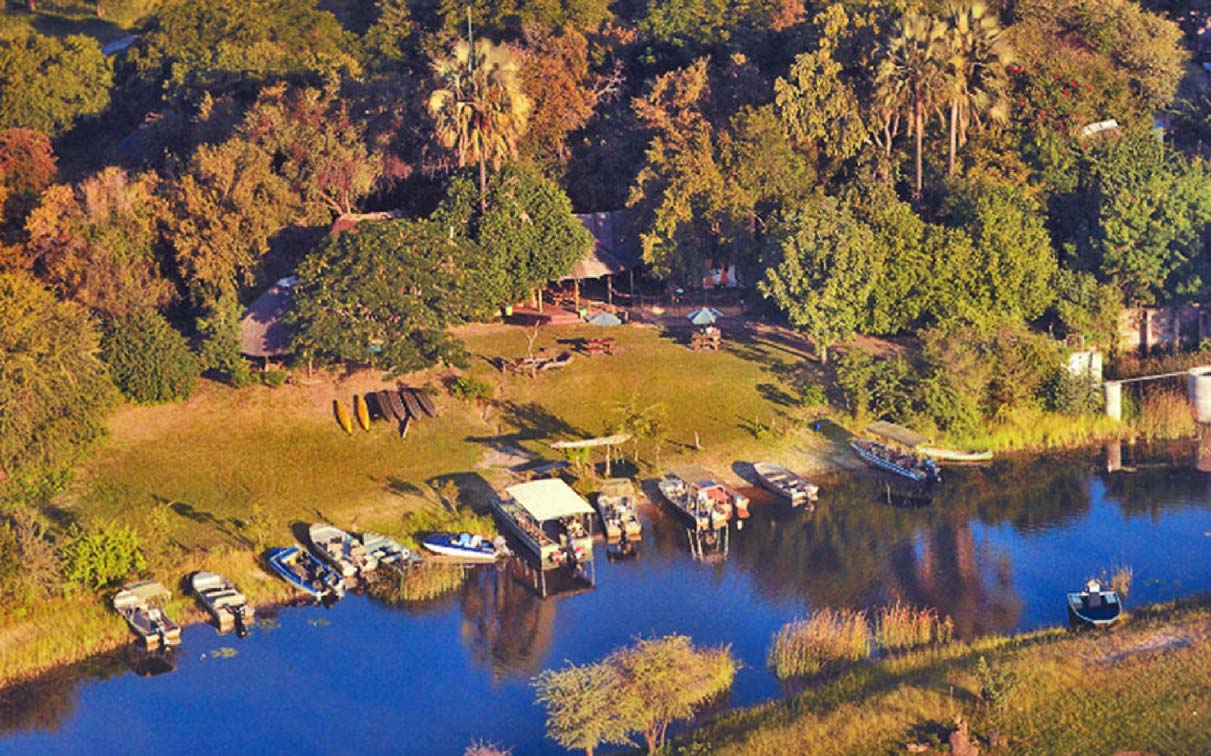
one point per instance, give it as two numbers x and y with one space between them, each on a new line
603 319
704 316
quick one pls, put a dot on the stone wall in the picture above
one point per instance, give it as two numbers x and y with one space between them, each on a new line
1152 329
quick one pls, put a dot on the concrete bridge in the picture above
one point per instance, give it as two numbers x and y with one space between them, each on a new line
1198 389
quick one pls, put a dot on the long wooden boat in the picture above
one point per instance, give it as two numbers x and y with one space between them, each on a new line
616 506
550 519
302 570
1095 606
464 547
414 408
388 552
911 466
362 411
952 455
426 402
141 604
786 484
341 550
227 605
390 400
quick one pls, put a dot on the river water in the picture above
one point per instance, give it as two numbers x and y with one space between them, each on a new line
996 550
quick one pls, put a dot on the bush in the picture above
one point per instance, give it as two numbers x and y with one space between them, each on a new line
900 626
1073 395
805 647
148 359
274 378
470 389
1165 415
102 555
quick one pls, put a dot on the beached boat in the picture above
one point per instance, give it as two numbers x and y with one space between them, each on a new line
700 497
786 484
141 604
426 403
410 402
616 506
391 401
898 452
464 547
362 410
387 552
952 455
342 416
227 605
302 570
550 519
1095 606
341 550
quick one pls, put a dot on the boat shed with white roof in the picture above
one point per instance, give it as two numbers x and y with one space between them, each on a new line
549 499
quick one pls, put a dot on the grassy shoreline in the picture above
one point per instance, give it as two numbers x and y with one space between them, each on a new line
232 472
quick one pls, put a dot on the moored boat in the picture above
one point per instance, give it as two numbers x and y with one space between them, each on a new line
616 506
227 605
341 550
953 455
464 547
550 519
788 485
388 552
917 469
302 570
700 497
141 604
1095 606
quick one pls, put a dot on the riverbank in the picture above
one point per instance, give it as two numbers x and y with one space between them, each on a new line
214 480
1142 687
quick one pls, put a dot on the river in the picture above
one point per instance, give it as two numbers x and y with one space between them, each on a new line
996 550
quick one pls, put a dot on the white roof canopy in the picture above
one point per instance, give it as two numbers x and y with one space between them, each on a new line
548 499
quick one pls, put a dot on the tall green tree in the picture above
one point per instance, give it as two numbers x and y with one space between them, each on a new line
99 242
478 107
820 274
54 391
911 76
385 296
48 84
976 75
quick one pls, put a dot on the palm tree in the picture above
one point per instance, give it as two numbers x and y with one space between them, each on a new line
976 78
910 75
478 106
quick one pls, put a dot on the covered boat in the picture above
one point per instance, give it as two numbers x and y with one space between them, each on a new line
616 505
341 550
303 571
387 552
141 604
464 547
227 605
786 484
699 495
550 519
1095 606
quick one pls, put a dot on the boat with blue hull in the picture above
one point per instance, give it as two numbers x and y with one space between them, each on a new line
301 569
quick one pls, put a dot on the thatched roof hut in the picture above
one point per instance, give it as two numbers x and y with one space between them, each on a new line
263 333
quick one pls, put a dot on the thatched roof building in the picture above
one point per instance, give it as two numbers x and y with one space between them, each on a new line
263 333
616 246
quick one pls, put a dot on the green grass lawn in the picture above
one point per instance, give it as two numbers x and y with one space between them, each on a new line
1142 687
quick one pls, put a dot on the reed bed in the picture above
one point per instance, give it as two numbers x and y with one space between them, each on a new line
901 626
807 646
424 582
1165 415
434 520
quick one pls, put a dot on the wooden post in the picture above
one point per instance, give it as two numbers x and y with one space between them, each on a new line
576 294
609 289
632 274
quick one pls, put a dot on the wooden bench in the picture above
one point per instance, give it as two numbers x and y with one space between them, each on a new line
707 339
599 346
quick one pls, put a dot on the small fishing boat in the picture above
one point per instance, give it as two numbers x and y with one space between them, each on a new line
141 604
341 550
550 519
426 403
616 506
388 552
227 605
699 496
917 469
786 484
464 547
410 402
302 570
362 410
1095 606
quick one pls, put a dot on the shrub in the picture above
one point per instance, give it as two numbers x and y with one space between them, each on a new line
805 647
811 395
148 359
439 520
1073 395
900 626
102 555
274 378
470 389
996 683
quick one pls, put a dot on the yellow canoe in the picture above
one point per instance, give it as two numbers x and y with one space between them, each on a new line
342 416
362 411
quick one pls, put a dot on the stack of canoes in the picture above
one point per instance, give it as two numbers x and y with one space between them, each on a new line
405 406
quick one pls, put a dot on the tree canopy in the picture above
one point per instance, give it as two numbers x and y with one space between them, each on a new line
48 84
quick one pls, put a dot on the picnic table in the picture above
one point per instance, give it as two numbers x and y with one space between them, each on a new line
708 338
599 346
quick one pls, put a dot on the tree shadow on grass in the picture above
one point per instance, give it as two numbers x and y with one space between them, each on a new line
231 527
474 490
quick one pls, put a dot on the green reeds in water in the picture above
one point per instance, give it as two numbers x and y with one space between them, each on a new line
901 626
1165 415
423 582
807 646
